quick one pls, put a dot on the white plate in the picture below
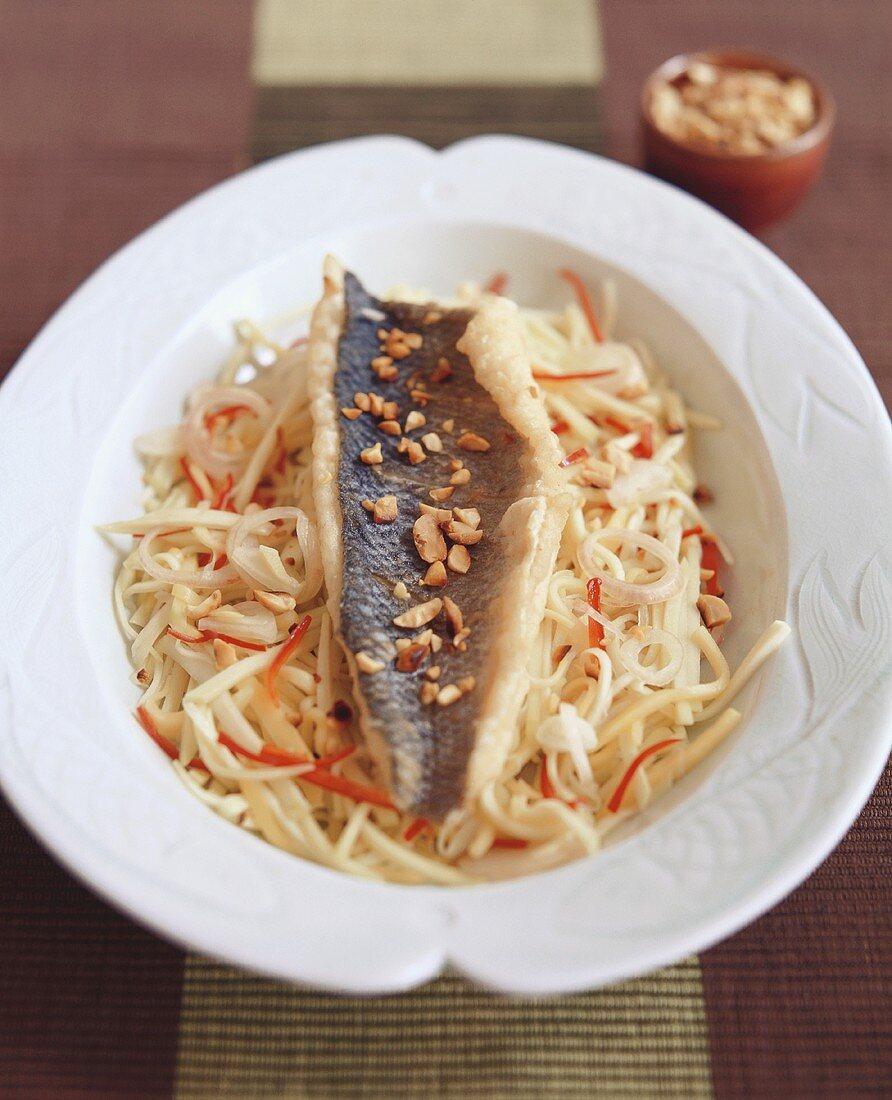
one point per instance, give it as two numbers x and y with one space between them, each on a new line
802 474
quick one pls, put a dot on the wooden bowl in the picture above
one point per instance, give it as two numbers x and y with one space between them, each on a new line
753 189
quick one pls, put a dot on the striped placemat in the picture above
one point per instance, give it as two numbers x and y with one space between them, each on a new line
115 111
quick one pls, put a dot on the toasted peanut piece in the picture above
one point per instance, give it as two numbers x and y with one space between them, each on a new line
435 577
453 614
428 693
458 559
208 604
420 614
381 361
470 441
470 516
277 602
448 695
403 446
433 443
460 477
441 515
351 414
462 533
376 404
419 395
448 426
372 456
403 643
369 505
414 420
714 610
456 464
416 453
459 640
224 654
361 401
366 663
410 658
429 541
433 673
424 638
596 473
388 374
390 427
391 410
442 494
466 684
385 509
400 592
436 643
414 340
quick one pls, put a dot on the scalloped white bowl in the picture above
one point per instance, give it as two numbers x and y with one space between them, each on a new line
801 473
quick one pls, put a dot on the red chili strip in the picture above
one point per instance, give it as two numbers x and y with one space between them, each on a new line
283 453
617 797
573 457
297 633
644 448
417 826
210 635
497 283
595 629
230 412
190 477
560 426
542 376
710 558
319 777
168 747
688 531
510 842
585 302
221 502
545 781
617 425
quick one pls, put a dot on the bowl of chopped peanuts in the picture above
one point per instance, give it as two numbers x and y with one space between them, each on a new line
746 132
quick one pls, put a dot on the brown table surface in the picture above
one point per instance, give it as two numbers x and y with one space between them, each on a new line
114 111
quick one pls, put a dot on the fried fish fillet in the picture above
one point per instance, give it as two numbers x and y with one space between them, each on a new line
440 511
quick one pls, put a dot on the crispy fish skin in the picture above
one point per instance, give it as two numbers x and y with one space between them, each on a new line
433 756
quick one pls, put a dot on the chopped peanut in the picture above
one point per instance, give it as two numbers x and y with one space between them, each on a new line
433 673
458 559
428 693
460 477
448 426
462 533
466 684
442 494
277 602
391 410
429 541
420 614
361 401
351 414
432 441
376 404
470 516
470 441
366 663
435 577
714 610
385 510
372 456
448 695
441 515
400 592
415 420
411 657
389 427
442 371
453 615
415 452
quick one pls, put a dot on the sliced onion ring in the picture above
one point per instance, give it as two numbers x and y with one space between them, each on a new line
254 623
256 572
622 592
656 677
198 440
201 578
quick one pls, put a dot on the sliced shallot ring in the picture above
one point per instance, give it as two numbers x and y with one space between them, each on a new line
656 677
208 577
259 576
622 592
198 440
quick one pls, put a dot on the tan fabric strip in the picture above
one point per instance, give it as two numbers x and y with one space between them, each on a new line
426 42
250 1037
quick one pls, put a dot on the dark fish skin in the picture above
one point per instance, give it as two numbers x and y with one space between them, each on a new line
436 740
